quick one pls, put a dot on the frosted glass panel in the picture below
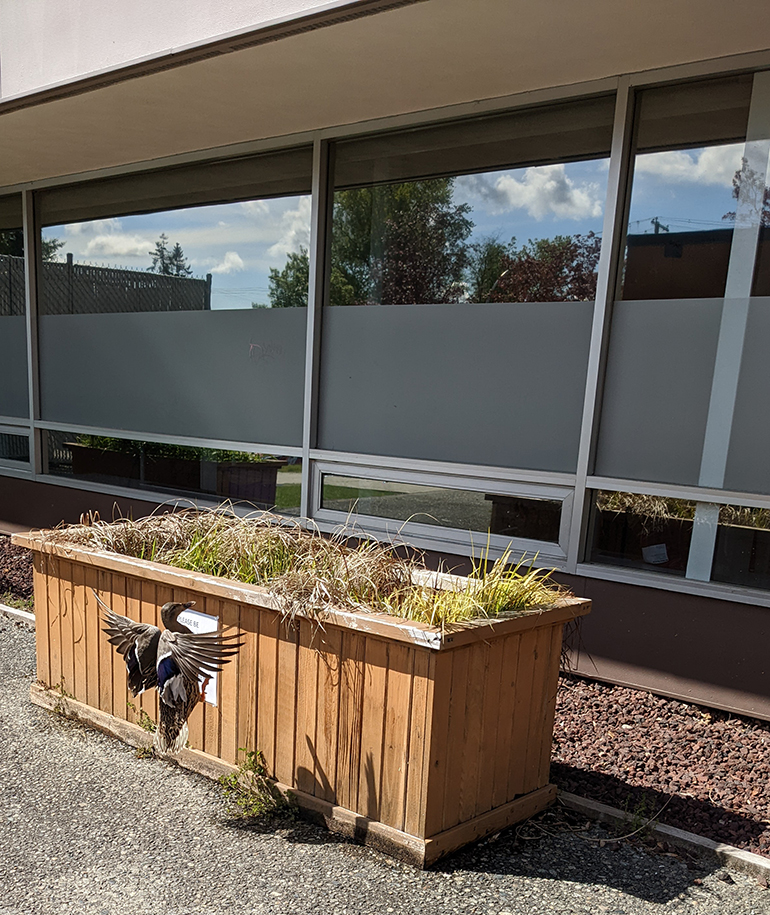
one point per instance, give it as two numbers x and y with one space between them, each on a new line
747 468
498 384
657 389
232 375
171 322
14 397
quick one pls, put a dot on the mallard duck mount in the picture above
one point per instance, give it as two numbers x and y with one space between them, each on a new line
174 660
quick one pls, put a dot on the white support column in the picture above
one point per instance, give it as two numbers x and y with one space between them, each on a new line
612 234
732 329
735 308
320 226
704 535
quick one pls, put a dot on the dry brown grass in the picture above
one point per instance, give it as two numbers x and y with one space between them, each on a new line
310 572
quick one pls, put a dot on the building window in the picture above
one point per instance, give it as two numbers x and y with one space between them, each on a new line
478 243
742 552
510 516
265 481
641 531
14 447
162 317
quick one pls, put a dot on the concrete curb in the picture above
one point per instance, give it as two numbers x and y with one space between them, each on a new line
729 855
19 615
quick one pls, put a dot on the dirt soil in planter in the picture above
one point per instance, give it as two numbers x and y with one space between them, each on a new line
639 752
628 749
15 570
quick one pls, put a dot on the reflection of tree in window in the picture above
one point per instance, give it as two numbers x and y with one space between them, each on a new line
558 269
408 243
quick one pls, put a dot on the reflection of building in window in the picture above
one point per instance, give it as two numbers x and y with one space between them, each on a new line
687 265
71 288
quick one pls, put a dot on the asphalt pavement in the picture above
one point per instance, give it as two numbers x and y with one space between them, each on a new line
90 828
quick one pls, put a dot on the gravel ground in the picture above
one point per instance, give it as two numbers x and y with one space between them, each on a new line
93 830
639 752
15 571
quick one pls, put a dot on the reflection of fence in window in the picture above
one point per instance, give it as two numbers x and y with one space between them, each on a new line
12 295
14 447
71 288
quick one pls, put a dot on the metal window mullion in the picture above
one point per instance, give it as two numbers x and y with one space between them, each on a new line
609 261
318 279
32 267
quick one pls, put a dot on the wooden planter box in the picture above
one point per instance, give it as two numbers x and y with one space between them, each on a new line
412 739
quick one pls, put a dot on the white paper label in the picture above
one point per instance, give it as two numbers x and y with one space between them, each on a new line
655 554
202 622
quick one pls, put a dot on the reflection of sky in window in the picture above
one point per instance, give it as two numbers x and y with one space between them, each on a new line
237 243
686 189
537 202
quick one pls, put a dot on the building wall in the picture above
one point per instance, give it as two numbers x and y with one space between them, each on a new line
612 423
42 44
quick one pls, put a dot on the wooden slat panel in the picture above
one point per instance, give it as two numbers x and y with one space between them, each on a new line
79 631
103 588
247 679
268 674
119 603
372 728
439 742
552 680
42 621
491 723
51 570
228 690
329 645
473 749
419 743
92 637
506 711
396 743
456 749
521 714
538 709
307 692
211 716
286 704
351 710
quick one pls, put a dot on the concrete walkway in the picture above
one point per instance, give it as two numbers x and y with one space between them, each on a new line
89 829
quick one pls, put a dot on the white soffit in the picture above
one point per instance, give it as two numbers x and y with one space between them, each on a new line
418 57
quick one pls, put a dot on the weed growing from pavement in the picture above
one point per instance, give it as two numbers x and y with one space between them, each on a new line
17 603
144 720
251 794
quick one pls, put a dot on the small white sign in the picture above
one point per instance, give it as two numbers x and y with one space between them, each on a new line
202 622
656 554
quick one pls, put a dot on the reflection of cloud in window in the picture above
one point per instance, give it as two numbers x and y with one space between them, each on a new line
714 165
99 226
231 263
545 190
294 230
255 207
119 245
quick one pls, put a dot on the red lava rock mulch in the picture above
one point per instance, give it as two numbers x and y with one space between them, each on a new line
635 751
628 749
15 570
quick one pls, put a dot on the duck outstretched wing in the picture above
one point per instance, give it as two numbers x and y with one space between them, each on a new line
186 657
138 644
